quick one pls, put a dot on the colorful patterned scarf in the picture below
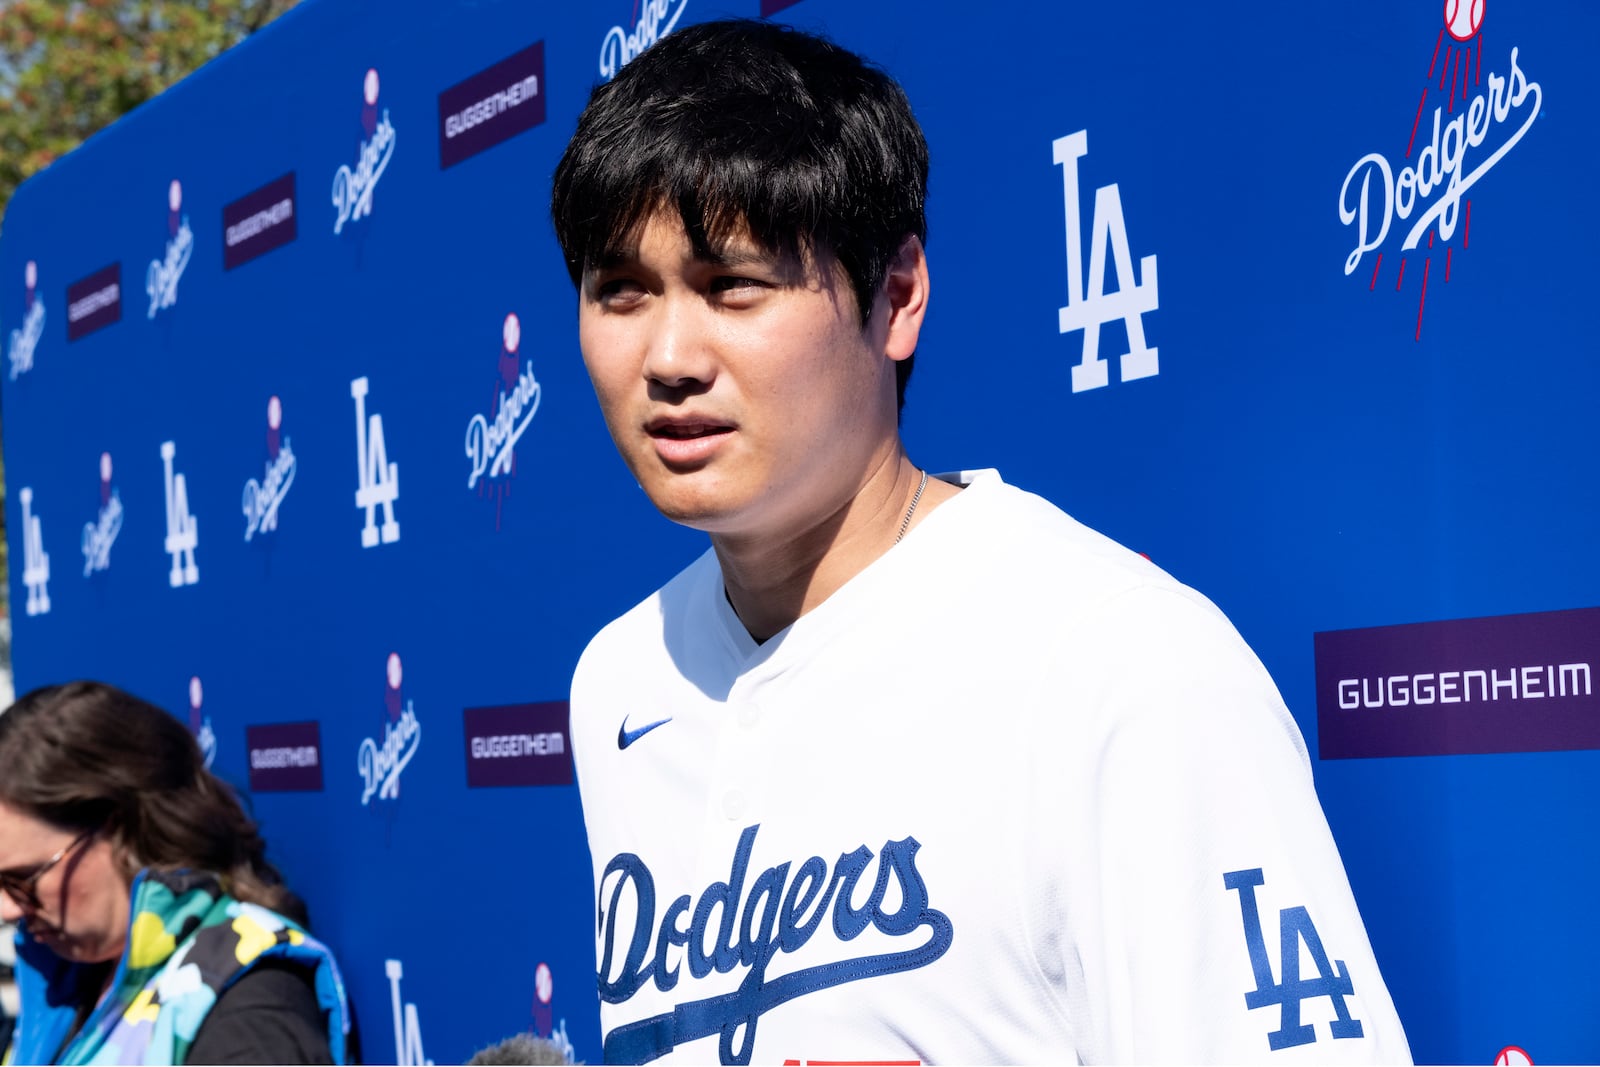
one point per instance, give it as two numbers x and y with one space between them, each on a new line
187 942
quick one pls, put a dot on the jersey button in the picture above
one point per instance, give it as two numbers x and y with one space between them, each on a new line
734 805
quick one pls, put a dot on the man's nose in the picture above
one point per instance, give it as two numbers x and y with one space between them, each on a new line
680 353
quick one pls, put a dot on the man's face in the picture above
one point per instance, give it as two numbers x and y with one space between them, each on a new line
740 389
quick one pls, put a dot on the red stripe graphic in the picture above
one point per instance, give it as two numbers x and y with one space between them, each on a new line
1424 298
1416 122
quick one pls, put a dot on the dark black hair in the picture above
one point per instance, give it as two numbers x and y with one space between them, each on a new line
745 123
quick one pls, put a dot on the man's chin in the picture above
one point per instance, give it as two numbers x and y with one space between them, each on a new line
690 498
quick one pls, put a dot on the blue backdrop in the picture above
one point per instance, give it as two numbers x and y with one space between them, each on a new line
1347 384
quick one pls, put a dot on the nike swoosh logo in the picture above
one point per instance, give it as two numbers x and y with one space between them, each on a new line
626 737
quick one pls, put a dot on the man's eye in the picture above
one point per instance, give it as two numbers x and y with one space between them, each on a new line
616 289
729 283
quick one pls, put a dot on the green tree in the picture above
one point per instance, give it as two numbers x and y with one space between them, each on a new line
70 67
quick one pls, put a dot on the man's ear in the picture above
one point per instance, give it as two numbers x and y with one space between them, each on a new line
905 296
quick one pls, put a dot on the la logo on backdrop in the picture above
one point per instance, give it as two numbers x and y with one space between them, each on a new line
183 529
382 761
1089 307
407 1025
161 280
35 561
101 534
25 338
262 499
1419 201
621 46
378 480
200 723
353 186
492 438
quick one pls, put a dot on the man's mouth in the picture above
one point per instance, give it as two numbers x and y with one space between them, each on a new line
684 431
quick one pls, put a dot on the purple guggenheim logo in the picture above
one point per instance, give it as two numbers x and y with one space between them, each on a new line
94 302
258 222
492 106
772 7
285 757
1508 683
518 744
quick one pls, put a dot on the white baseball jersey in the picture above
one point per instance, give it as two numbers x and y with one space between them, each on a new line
1011 795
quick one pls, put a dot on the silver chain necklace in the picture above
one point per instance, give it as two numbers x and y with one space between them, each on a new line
912 510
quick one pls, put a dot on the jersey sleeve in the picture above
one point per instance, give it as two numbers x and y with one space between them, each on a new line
1201 912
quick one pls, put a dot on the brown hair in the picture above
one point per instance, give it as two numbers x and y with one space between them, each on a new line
88 756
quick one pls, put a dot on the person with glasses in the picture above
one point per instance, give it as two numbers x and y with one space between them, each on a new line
150 926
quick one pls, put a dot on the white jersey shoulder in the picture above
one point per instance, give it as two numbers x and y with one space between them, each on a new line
1012 794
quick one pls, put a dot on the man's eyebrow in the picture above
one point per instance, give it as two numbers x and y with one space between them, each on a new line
610 258
736 256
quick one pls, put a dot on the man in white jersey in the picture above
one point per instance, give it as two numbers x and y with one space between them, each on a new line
904 768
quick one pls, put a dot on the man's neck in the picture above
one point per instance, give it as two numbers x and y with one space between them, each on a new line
772 581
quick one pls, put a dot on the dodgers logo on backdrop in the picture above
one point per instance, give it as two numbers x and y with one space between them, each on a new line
1291 991
1089 307
379 479
407 1026
183 529
657 18
353 186
25 338
101 534
544 1024
35 560
1420 200
382 761
161 280
262 499
200 723
492 438
753 929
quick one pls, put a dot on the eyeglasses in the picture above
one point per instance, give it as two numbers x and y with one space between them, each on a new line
22 889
